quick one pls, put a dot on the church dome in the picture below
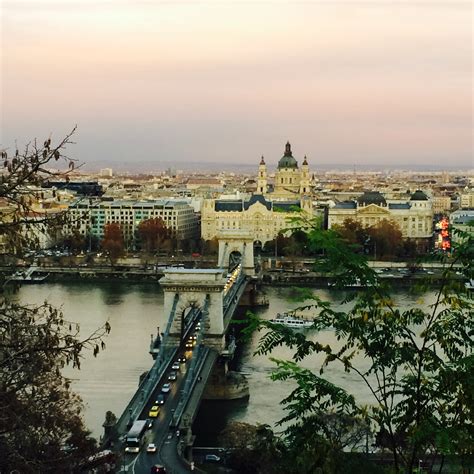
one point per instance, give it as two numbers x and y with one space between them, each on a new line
372 197
419 195
287 160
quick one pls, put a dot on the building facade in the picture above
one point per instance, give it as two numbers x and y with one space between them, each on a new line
463 220
258 216
466 199
266 213
414 217
92 216
441 204
291 182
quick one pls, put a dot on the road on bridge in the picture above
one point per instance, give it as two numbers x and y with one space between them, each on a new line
165 438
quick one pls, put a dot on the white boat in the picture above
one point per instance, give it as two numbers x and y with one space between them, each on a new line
28 276
355 284
292 322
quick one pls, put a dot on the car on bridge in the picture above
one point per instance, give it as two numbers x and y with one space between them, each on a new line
151 448
182 359
158 469
160 399
154 411
175 365
173 376
149 423
166 388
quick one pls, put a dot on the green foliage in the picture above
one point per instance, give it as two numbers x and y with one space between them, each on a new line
417 363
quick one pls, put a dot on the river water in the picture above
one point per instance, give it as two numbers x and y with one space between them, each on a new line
134 311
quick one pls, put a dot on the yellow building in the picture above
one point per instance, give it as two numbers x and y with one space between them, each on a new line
291 182
414 217
466 200
441 204
266 213
262 218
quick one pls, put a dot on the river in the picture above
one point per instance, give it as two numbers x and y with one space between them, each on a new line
134 311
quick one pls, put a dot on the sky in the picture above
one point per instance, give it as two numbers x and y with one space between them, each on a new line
153 83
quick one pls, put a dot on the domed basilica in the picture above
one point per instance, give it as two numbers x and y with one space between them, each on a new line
291 182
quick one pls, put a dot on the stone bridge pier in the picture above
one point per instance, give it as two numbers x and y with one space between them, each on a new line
185 289
236 243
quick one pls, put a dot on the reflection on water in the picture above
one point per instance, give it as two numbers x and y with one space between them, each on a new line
134 312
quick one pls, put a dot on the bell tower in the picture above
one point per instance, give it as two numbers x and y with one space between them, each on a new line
305 183
262 178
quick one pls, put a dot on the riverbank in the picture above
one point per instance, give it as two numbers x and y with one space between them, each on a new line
134 270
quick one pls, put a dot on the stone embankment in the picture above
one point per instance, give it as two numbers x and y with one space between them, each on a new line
134 269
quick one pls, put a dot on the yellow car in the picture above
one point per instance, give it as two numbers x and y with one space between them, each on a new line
153 413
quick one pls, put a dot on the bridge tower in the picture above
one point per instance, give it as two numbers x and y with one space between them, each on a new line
236 242
195 288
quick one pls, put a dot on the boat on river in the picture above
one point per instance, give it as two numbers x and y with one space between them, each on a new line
292 321
355 284
28 276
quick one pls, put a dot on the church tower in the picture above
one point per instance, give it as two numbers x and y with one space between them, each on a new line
287 176
305 182
262 178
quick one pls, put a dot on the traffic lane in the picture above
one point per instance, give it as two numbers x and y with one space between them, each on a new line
169 453
160 431
157 434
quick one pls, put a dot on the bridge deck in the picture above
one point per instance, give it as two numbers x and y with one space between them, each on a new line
183 403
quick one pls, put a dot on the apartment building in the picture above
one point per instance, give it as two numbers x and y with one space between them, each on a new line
91 216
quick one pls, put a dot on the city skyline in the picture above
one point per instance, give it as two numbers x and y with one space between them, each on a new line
369 84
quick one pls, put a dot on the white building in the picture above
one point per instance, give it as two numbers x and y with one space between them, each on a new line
414 217
93 215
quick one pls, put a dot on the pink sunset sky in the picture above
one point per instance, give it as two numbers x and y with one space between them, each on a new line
158 82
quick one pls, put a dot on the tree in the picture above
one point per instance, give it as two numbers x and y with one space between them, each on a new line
40 423
41 429
292 250
255 448
418 363
152 233
386 238
74 242
24 172
210 247
112 242
352 232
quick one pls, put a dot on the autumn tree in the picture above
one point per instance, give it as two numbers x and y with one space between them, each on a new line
417 363
24 172
113 243
152 233
41 429
385 237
